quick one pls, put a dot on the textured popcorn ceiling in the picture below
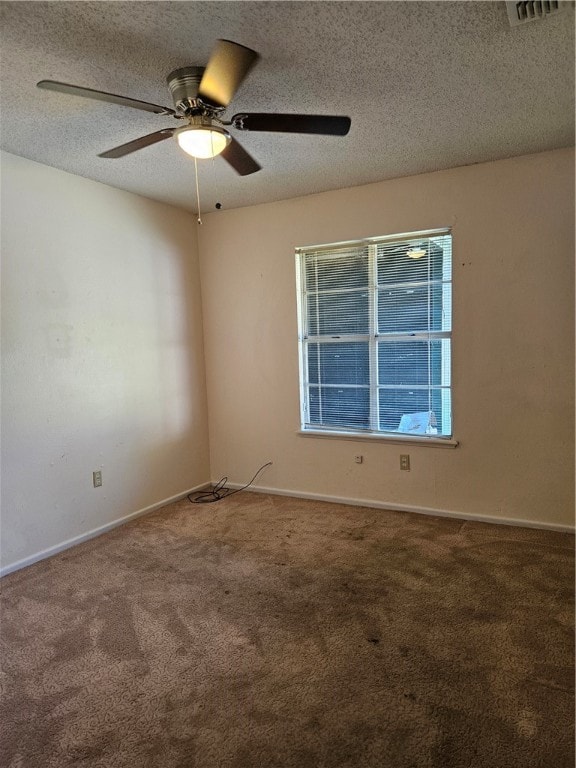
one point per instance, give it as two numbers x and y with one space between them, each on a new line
428 85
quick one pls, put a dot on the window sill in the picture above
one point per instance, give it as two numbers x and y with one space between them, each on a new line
425 440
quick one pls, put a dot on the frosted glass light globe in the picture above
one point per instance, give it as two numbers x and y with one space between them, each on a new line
202 141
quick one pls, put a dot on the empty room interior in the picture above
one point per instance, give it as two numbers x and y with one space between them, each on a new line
287 393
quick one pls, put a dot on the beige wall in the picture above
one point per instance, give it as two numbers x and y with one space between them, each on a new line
103 359
513 343
102 356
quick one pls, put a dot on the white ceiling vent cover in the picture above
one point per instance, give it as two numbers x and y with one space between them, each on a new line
520 13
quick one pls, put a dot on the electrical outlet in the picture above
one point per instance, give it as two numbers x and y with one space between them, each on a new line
358 459
97 478
405 461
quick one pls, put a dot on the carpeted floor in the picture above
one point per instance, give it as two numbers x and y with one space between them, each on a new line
270 632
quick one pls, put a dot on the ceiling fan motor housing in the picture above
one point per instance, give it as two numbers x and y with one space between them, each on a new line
184 84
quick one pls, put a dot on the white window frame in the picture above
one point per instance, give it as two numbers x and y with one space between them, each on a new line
372 337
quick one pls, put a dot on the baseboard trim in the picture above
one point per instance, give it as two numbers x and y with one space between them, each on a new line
376 504
372 503
95 532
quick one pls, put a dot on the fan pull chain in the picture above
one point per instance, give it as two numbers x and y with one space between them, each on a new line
197 191
218 205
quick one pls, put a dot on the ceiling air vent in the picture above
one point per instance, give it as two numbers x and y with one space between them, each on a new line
520 13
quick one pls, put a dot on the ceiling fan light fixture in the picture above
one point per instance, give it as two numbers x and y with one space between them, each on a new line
416 253
200 95
202 141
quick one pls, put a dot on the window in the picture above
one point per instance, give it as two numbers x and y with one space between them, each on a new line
374 335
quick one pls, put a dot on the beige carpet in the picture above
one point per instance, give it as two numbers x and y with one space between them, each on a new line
272 632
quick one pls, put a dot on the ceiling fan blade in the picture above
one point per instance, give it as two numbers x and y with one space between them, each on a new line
239 159
328 125
90 93
228 66
143 141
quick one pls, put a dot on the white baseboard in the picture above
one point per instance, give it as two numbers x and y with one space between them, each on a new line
95 532
373 503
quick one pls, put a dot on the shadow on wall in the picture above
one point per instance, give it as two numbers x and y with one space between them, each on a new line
103 363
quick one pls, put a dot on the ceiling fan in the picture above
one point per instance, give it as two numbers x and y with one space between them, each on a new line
200 96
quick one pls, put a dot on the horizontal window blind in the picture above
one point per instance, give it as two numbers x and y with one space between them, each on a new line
375 321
